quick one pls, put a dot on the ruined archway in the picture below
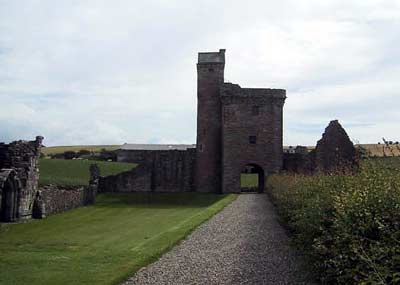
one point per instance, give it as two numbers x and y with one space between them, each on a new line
252 178
10 188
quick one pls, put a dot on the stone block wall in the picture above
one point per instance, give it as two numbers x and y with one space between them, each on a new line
57 199
334 150
22 156
158 171
256 113
135 180
210 76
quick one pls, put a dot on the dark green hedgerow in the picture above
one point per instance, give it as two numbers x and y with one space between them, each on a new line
349 224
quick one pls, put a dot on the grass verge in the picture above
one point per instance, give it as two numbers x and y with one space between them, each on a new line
104 243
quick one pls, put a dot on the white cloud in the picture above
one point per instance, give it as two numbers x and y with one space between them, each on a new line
84 72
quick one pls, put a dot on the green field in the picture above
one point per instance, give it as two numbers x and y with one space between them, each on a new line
75 172
249 180
103 243
93 148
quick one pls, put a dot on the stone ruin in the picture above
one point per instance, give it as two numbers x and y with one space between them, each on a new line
334 152
19 175
20 195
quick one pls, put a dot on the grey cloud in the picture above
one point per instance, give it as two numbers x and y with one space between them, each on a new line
124 71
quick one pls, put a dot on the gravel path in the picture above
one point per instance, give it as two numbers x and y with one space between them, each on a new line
243 244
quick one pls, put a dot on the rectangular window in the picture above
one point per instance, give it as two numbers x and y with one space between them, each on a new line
252 139
255 110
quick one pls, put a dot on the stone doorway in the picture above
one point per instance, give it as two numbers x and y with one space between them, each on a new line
252 179
9 199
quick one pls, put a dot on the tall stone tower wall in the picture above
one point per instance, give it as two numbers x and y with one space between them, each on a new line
252 132
210 76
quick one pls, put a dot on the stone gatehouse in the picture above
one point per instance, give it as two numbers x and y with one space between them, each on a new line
238 130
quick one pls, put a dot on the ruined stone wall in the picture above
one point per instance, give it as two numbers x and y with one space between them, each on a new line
249 113
58 200
158 171
10 187
135 180
334 150
22 156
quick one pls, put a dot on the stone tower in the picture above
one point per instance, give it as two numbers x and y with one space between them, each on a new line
252 126
210 76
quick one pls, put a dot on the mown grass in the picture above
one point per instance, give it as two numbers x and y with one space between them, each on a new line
248 180
93 148
348 224
103 243
75 172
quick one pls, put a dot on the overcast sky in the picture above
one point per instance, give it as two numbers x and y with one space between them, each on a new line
109 72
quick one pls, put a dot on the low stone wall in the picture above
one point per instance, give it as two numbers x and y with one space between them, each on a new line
57 200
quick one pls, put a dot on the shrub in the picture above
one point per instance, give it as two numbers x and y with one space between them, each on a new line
69 154
349 224
83 152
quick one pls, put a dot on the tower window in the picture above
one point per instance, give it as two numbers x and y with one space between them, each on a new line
211 69
255 110
252 139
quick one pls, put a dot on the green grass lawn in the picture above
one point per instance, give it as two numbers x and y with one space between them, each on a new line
103 243
75 172
249 180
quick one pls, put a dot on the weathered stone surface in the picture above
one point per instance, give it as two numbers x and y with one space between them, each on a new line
210 76
299 160
22 157
334 150
10 187
159 170
250 114
135 180
56 199
236 127
39 206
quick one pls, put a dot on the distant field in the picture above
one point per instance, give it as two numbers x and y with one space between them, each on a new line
103 243
382 150
61 149
377 150
249 180
75 172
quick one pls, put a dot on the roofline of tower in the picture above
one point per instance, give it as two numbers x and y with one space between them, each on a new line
211 57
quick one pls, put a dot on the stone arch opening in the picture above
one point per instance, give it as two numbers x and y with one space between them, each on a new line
9 199
252 178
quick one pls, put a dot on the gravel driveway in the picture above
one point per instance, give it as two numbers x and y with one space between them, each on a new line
243 244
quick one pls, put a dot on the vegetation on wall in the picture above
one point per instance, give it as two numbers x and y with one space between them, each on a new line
348 224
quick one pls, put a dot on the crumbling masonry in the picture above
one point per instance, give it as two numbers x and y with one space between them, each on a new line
18 179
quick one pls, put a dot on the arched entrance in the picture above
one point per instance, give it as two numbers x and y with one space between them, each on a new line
9 199
252 178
